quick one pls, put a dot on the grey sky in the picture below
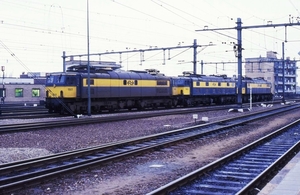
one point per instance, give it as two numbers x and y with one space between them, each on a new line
34 33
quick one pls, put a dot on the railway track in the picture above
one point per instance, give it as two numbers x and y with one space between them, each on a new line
18 111
9 108
30 115
16 175
244 171
68 121
30 111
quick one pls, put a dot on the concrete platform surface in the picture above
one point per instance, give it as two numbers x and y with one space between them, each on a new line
287 181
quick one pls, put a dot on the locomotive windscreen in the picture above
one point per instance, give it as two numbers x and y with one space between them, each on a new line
56 79
61 79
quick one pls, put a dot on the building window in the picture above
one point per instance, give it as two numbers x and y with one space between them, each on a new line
35 92
19 92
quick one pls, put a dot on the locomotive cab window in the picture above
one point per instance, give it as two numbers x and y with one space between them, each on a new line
49 79
207 83
197 83
59 79
219 83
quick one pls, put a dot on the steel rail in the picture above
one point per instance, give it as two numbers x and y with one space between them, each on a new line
68 121
232 179
260 181
29 112
30 115
33 170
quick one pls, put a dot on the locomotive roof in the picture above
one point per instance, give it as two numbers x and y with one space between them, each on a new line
202 77
150 73
93 68
257 79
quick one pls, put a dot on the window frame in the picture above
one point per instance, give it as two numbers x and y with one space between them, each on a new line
39 92
21 94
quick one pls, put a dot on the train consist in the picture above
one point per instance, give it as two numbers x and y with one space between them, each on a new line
112 89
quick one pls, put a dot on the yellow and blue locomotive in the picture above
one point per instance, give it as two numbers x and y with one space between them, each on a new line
217 89
109 90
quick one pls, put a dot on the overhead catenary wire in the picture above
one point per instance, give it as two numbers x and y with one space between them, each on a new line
183 19
20 61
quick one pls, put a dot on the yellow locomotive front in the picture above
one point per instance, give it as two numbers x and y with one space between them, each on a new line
61 89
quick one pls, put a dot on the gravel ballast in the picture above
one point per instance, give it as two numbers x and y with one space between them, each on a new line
136 175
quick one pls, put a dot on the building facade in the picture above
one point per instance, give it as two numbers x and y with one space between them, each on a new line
284 80
23 89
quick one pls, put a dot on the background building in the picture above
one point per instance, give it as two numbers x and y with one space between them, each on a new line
28 88
271 69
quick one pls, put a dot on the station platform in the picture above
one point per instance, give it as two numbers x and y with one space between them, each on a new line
287 181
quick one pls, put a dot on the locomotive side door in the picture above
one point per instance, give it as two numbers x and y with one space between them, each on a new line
78 83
